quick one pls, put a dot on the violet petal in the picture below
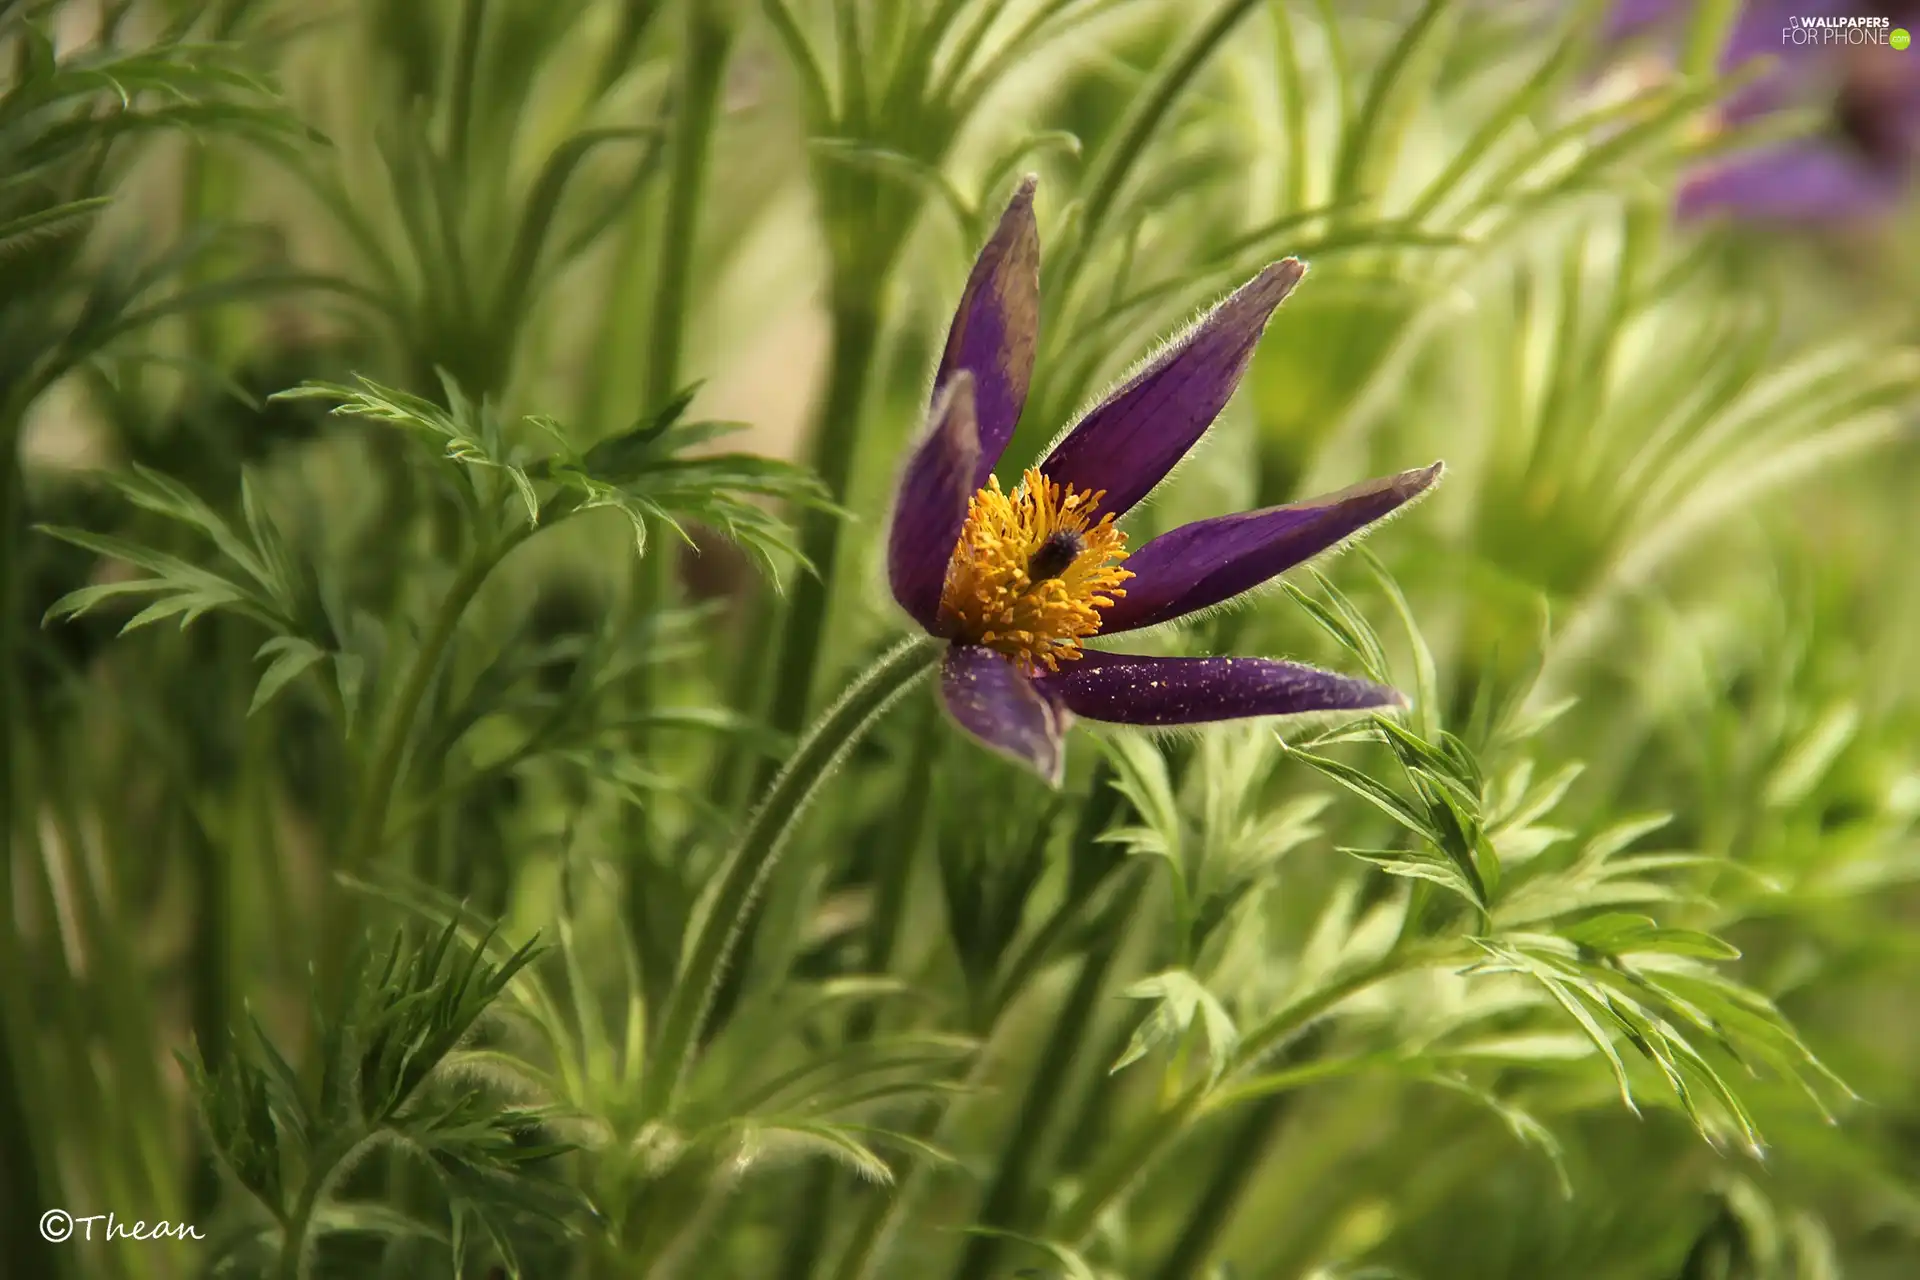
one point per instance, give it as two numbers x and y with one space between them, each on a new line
1133 438
1210 561
931 505
996 327
1796 182
996 703
1124 689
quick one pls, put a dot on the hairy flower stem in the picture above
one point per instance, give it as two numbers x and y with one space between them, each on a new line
722 923
855 325
900 839
1014 1176
873 1230
331 1163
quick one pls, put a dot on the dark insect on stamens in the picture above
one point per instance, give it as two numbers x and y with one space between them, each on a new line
1060 549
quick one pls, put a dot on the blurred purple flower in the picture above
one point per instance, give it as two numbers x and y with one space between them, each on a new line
1017 581
1859 166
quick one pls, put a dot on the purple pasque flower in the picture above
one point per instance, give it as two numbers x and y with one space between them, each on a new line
1860 165
1018 581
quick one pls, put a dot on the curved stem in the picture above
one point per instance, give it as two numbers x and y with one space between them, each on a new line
382 776
1125 1162
1231 1176
1129 1158
721 924
1014 1176
1239 1163
381 779
297 1234
807 1238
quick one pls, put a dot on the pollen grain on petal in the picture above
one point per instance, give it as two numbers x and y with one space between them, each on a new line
1033 571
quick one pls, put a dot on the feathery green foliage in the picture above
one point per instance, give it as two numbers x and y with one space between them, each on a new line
324 335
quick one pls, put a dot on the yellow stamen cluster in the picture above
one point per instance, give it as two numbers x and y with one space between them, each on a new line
992 595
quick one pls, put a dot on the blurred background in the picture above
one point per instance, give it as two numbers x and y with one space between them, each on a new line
672 275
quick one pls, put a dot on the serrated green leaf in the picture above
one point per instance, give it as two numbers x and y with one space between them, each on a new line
292 656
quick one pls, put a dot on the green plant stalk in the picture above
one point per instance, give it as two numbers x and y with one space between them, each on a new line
1129 1157
1233 1173
721 925
709 39
1014 1175
854 329
808 1236
466 68
1707 35
856 332
903 838
1235 1170
381 779
880 1216
24 1183
1116 160
297 1228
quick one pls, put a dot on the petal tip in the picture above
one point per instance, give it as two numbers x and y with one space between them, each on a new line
957 392
1279 278
1419 479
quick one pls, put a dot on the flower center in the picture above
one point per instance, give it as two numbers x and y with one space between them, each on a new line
1032 571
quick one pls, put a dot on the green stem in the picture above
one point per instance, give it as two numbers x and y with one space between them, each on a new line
1707 35
382 777
293 1244
903 836
880 1216
708 40
898 843
1116 160
856 329
721 925
25 1186
338 1158
1235 1169
1289 1021
1233 1173
466 69
1127 1159
1124 1163
1011 1181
